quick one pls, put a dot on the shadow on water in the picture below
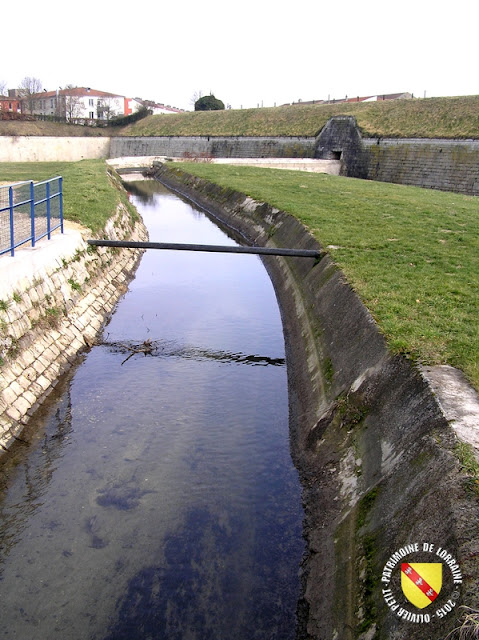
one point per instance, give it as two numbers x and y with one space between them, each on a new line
169 349
156 497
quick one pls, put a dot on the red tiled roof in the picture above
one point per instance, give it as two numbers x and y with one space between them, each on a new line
77 91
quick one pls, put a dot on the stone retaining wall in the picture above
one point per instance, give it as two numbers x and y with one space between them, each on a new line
52 148
216 146
375 452
448 165
52 311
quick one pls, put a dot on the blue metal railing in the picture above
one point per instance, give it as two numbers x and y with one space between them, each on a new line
29 211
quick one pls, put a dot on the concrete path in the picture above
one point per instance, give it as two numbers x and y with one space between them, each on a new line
458 400
30 262
331 167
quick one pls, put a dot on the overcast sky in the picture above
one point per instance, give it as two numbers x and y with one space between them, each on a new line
250 53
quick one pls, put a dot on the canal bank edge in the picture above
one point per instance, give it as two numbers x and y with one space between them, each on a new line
54 309
377 456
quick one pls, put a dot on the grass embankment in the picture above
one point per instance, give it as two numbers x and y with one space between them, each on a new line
43 128
89 196
430 118
411 254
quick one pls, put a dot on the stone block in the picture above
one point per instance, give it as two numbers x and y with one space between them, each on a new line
79 324
9 396
13 313
36 389
48 356
23 382
55 351
22 405
16 367
16 388
38 366
43 382
78 343
29 397
30 373
13 413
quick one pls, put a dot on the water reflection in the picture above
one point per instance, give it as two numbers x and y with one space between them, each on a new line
28 470
157 499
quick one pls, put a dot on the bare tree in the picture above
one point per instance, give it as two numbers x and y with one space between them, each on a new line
3 88
105 109
71 103
196 96
28 88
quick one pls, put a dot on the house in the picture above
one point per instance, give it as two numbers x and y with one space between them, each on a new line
156 107
10 103
165 108
378 97
132 105
86 103
75 102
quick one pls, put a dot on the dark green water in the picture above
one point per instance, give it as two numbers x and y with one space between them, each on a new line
157 498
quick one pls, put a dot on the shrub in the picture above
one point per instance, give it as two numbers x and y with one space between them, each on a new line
121 121
209 103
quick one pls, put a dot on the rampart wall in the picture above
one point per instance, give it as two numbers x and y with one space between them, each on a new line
52 149
217 146
448 165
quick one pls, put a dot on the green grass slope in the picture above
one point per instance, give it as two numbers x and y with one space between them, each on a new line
89 196
430 118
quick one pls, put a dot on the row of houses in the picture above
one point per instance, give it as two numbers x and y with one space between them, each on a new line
375 98
77 103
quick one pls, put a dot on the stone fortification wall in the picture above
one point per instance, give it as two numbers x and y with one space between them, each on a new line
375 452
52 149
447 165
52 308
218 147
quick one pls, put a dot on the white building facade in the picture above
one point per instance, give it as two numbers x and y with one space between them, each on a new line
76 103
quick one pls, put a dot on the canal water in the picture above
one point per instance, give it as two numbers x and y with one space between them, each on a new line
157 498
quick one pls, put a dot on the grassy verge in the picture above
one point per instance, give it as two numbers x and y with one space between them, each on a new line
89 197
430 118
411 254
42 128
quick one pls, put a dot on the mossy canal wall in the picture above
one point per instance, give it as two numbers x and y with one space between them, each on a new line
376 454
52 309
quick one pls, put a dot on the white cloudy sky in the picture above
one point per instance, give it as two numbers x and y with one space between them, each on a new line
254 52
